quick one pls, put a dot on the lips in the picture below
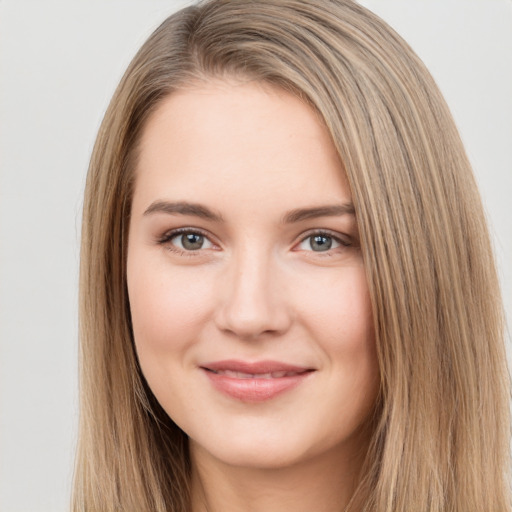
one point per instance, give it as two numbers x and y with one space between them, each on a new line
254 382
243 375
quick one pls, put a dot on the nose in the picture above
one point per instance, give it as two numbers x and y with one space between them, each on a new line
253 298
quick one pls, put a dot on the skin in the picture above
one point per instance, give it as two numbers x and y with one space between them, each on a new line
253 288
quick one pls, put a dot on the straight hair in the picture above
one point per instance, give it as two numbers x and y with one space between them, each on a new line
440 439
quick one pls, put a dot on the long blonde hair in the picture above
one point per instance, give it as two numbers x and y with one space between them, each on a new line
441 435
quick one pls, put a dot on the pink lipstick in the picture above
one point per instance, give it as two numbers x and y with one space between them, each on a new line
254 382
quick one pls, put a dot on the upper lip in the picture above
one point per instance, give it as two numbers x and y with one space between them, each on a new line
254 368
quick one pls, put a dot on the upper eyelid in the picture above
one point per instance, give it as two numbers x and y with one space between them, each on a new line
171 233
328 232
165 241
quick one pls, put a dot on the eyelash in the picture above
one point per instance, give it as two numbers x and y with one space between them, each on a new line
343 243
168 236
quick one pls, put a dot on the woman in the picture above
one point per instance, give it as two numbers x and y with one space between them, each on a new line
288 296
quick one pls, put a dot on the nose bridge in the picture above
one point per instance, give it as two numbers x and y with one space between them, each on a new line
254 302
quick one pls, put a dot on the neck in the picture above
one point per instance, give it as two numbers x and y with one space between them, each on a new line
323 484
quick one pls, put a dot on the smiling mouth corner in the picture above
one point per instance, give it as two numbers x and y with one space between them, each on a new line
266 375
253 382
267 369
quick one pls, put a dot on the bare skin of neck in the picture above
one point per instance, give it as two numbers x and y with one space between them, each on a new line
323 484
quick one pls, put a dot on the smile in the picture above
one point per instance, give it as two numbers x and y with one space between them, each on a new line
268 375
254 382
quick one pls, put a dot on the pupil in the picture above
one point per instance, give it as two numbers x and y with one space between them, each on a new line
321 243
192 241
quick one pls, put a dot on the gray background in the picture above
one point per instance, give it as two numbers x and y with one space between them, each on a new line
59 64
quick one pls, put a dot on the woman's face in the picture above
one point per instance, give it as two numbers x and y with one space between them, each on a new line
248 295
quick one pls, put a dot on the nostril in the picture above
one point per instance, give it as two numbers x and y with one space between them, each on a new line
251 303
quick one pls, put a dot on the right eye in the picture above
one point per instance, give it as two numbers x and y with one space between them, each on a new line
191 241
186 240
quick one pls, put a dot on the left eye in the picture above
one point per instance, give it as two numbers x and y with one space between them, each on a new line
190 241
319 243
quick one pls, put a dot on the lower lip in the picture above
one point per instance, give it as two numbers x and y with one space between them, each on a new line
255 390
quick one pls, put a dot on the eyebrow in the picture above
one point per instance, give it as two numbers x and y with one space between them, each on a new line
297 215
183 208
301 214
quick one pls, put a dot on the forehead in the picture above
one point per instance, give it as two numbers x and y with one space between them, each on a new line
249 140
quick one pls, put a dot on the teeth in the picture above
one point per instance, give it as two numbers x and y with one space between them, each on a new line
242 375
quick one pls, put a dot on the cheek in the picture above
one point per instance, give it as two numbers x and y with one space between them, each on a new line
339 317
166 308
338 308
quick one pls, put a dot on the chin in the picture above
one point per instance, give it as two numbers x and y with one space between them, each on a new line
269 448
253 455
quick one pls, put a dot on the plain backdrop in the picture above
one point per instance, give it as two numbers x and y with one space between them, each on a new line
59 64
